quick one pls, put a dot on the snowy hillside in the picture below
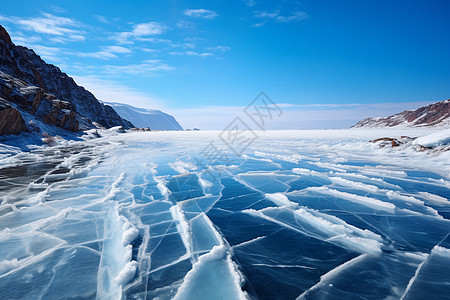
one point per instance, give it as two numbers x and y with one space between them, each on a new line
143 118
436 115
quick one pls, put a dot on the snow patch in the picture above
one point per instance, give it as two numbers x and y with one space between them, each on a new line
127 273
436 139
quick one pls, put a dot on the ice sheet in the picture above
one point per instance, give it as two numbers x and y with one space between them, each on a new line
300 213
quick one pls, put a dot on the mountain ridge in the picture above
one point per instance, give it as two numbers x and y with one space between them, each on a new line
144 117
435 115
33 87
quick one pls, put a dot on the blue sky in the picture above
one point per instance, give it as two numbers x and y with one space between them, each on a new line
328 63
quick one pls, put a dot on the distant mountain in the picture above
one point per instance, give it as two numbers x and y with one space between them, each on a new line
143 118
433 115
34 92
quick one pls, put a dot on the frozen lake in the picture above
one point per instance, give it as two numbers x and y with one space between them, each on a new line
187 215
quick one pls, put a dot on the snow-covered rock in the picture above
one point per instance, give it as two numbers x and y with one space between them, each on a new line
143 118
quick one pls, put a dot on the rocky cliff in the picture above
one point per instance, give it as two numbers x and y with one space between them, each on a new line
30 86
433 115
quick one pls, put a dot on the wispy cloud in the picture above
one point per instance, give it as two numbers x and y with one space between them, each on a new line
277 17
141 30
157 40
212 51
102 19
146 68
296 16
49 54
265 14
250 3
185 25
105 55
189 45
60 29
193 53
219 48
19 38
200 13
148 50
117 49
58 54
114 91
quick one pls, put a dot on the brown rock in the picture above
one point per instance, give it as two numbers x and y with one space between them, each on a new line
37 101
11 120
4 36
386 140
62 117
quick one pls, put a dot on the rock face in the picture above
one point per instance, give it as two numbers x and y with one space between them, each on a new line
11 121
433 115
143 118
44 91
4 36
34 103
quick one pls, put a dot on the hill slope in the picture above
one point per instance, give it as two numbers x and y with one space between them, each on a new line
433 115
143 118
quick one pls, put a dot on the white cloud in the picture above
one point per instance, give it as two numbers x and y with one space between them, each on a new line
265 14
20 39
57 9
185 25
112 91
277 17
49 54
148 50
189 45
141 30
61 29
100 54
101 19
260 24
146 68
170 43
200 13
117 49
250 3
296 16
192 53
219 48
150 28
202 54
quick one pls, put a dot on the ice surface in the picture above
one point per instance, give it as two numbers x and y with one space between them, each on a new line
366 201
308 214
